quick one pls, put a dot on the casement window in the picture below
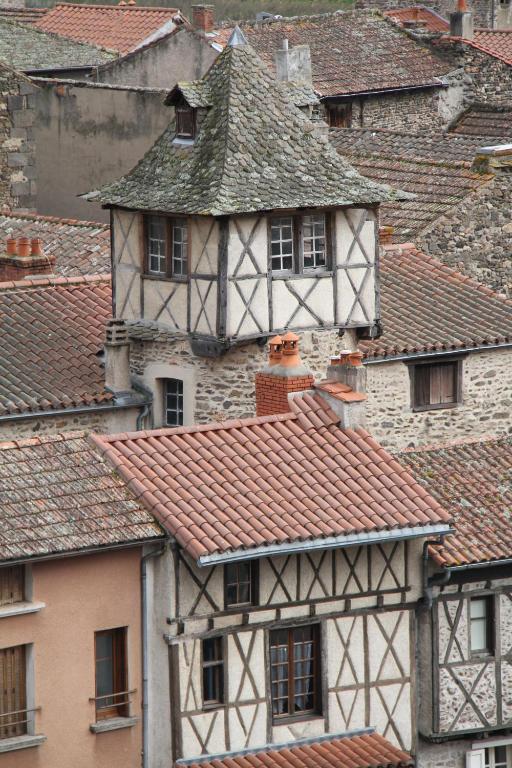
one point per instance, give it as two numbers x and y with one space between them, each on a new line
241 583
167 246
12 584
299 243
213 671
173 405
185 122
436 385
295 672
339 115
111 674
13 692
498 756
481 626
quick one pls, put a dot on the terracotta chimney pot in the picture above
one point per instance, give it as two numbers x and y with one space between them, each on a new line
275 355
356 358
11 246
23 246
291 357
36 247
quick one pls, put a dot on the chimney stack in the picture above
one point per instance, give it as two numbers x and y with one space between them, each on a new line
461 21
117 357
285 373
294 64
345 388
493 159
24 258
203 18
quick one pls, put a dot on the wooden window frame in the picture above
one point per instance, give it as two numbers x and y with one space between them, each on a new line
170 222
253 582
182 396
220 643
15 699
12 584
120 674
298 243
490 629
338 107
316 711
415 365
181 110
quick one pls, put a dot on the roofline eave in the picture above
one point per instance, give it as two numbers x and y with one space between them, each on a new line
381 91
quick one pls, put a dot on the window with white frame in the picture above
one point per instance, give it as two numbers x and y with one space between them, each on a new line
498 756
173 402
156 244
167 243
481 622
314 242
299 243
179 247
281 244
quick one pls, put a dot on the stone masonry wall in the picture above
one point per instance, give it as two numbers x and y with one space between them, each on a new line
476 237
486 408
17 146
482 9
486 78
414 111
451 754
108 422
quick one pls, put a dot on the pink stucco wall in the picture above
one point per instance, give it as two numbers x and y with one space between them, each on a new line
82 595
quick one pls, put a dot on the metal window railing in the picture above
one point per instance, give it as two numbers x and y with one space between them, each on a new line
17 722
108 697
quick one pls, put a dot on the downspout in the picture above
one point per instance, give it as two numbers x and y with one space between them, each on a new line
145 675
438 579
148 408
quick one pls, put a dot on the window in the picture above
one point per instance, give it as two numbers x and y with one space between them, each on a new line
299 243
13 692
12 584
167 246
436 385
295 667
213 672
241 583
111 678
498 757
185 123
174 402
339 115
481 625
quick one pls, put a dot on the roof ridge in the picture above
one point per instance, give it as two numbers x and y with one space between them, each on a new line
305 17
24 442
117 7
52 282
37 30
57 219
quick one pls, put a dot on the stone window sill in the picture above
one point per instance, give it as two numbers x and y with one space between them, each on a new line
18 609
21 742
113 724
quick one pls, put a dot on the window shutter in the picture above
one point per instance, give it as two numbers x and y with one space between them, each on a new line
447 383
475 758
12 691
422 385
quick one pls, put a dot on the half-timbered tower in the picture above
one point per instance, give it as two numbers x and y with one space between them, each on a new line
240 222
287 607
465 647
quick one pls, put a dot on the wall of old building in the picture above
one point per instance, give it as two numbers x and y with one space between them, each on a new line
88 135
107 422
485 410
81 595
476 236
482 9
17 148
411 110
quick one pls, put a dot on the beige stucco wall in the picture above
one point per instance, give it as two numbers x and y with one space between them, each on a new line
82 595
485 408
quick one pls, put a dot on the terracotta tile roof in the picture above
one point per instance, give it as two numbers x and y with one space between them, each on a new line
117 27
473 480
492 122
52 331
368 750
27 48
268 480
429 307
436 169
58 495
496 42
23 15
351 51
80 247
244 159
425 18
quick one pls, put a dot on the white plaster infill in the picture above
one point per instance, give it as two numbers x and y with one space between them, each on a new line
18 609
113 724
21 742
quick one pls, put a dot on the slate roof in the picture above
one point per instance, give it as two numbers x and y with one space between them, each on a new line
425 18
22 15
52 331
368 750
269 480
429 307
473 479
351 51
58 495
492 121
255 151
26 48
117 27
80 247
436 169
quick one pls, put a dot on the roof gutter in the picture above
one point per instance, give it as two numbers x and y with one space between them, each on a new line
384 91
474 566
328 542
416 355
135 403
94 550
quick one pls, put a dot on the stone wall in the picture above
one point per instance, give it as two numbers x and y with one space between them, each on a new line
450 754
486 408
108 422
17 147
476 237
482 9
413 111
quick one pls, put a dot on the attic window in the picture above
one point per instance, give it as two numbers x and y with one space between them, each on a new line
185 123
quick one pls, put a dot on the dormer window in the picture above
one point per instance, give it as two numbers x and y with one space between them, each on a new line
299 243
185 123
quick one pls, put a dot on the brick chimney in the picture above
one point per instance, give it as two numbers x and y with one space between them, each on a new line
461 21
117 357
285 373
23 257
294 64
203 18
